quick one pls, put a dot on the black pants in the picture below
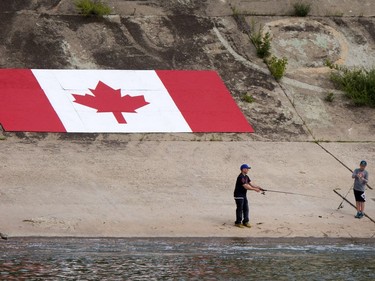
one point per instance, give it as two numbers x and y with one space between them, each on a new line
242 209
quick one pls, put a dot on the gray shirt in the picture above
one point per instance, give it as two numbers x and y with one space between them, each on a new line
360 179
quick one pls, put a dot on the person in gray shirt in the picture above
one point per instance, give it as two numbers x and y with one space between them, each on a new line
360 176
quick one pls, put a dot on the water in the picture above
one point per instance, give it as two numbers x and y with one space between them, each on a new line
186 259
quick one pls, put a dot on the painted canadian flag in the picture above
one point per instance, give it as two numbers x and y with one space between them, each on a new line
41 100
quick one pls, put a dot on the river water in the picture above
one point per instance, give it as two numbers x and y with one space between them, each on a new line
186 259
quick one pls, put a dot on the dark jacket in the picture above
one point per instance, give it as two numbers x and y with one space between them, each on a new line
239 190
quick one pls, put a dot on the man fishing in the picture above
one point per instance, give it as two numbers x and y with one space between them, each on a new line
360 176
243 184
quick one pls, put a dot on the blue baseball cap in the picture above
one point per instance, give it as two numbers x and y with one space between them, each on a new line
363 163
245 166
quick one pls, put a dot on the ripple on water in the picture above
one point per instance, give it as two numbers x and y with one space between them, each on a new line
185 259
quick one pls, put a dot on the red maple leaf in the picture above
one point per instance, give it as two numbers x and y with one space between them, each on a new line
106 99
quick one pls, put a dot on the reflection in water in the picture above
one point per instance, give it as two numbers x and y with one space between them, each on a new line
186 259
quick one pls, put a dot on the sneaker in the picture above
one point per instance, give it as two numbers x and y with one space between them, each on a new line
239 225
247 225
361 215
357 216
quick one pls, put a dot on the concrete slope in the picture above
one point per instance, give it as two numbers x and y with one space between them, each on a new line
182 184
115 187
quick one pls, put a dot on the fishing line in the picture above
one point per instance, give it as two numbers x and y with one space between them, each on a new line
287 192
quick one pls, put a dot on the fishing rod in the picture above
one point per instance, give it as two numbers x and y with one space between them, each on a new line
286 192
343 199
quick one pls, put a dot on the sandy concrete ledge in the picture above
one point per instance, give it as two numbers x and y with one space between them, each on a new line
174 189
